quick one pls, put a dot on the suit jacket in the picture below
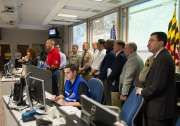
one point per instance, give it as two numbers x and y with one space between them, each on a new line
106 63
130 73
159 92
117 67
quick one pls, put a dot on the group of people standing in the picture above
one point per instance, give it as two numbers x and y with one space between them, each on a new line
120 68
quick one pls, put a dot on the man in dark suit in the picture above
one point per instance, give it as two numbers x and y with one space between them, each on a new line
115 71
106 63
159 91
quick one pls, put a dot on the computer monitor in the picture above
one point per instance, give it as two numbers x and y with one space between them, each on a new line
53 33
96 114
35 91
8 68
42 74
27 75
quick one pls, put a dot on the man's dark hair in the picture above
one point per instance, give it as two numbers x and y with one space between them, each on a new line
120 43
101 41
73 67
161 36
109 44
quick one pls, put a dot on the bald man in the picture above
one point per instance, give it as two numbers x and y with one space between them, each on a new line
53 61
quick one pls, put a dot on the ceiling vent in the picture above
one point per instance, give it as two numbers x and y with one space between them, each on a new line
75 8
62 21
96 11
114 1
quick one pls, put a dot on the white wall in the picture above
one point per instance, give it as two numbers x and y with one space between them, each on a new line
29 37
22 36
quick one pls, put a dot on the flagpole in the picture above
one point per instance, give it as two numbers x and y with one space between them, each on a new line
174 51
175 3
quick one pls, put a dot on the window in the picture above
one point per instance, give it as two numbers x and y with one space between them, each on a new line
80 35
146 18
103 27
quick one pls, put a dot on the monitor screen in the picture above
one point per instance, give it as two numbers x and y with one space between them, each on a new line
35 87
41 74
53 33
8 68
92 112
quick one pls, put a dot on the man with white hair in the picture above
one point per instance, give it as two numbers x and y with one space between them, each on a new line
131 70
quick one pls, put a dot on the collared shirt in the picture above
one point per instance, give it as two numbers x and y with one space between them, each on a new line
63 59
157 53
118 53
98 59
95 53
53 58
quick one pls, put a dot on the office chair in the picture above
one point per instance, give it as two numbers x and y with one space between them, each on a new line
131 108
178 121
96 89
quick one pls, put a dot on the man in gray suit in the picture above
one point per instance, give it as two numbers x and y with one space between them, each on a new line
131 70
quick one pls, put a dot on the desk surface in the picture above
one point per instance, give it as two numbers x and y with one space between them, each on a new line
63 110
17 115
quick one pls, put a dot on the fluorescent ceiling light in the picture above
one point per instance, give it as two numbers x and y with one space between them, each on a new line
67 15
98 0
97 21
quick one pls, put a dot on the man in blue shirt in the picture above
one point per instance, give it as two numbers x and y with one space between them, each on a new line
75 86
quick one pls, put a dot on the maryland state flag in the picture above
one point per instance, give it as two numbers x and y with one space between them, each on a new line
173 43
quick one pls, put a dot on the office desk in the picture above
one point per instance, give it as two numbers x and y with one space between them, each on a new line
13 117
6 84
5 89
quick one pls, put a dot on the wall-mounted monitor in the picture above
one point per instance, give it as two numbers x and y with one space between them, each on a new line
53 33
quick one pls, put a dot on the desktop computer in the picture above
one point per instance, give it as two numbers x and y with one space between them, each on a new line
95 114
35 92
8 68
42 74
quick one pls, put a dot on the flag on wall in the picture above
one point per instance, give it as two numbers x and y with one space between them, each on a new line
173 43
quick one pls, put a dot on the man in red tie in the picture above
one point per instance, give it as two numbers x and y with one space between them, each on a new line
53 62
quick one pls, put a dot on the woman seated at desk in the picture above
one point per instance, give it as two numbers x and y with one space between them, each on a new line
30 58
75 86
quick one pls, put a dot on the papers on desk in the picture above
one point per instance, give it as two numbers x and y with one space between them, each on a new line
4 79
54 116
17 71
70 110
49 96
